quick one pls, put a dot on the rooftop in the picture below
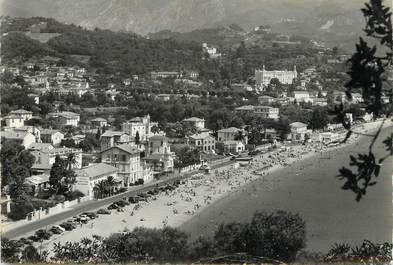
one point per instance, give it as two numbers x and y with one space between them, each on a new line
230 130
13 116
248 107
112 133
126 148
65 114
194 119
49 131
99 119
201 136
38 179
20 135
40 146
21 111
298 124
157 138
96 170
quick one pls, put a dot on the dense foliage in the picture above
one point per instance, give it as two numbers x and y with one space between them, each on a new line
16 167
277 235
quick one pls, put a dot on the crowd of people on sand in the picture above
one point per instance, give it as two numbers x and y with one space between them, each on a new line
175 206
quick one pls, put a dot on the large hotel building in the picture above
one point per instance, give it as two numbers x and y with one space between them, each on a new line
263 77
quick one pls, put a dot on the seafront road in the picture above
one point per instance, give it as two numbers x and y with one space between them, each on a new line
95 204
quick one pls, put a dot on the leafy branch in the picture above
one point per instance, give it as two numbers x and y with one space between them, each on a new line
366 73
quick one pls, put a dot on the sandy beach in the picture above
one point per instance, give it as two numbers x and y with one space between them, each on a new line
310 187
299 179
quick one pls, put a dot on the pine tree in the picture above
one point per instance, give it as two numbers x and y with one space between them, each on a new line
56 173
98 134
137 138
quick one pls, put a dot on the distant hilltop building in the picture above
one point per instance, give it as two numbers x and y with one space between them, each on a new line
263 29
263 77
211 51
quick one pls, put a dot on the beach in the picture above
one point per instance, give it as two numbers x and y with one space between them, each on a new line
299 179
310 187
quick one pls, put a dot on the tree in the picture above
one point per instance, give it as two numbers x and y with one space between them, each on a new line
68 142
230 238
100 189
57 173
9 250
279 235
319 118
98 134
137 138
367 253
155 129
367 66
110 182
30 254
187 156
13 157
335 50
239 136
18 189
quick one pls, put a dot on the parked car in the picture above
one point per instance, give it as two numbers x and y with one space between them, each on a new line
121 203
82 219
55 230
113 206
103 211
18 243
28 242
23 240
91 215
43 234
34 238
67 226
59 227
134 199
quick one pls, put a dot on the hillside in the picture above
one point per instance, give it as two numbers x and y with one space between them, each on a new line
309 18
108 51
121 54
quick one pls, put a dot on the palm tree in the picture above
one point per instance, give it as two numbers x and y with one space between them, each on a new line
155 129
100 189
70 161
110 182
70 176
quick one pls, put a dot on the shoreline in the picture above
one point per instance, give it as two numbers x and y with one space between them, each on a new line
314 202
199 194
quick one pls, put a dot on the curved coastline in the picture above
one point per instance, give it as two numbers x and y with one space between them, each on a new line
309 186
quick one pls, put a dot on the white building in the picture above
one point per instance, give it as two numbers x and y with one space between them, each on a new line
25 114
203 141
45 155
65 118
158 154
142 125
212 51
50 136
14 121
99 122
112 138
266 112
302 96
263 77
231 134
196 122
127 159
22 137
299 131
88 177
